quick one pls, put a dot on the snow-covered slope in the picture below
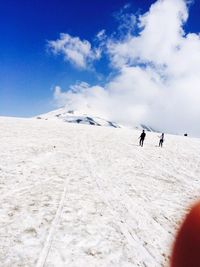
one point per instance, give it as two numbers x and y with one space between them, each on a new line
74 195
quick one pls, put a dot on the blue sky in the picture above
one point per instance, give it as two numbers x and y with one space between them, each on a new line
29 72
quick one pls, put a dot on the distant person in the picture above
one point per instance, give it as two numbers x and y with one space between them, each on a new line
142 137
161 140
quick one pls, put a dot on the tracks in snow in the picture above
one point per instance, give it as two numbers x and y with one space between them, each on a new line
47 245
146 258
41 262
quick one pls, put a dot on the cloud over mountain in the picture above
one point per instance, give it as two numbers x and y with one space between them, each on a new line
155 71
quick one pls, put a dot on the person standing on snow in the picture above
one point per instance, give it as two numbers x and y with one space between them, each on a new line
161 140
142 137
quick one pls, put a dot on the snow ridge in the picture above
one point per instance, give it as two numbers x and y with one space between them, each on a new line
87 117
78 117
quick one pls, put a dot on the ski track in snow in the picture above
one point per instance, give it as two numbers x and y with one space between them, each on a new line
47 245
133 240
76 195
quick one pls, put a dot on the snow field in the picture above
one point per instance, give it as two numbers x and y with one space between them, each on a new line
77 195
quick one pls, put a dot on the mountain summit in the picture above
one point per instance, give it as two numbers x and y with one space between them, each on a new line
88 117
80 117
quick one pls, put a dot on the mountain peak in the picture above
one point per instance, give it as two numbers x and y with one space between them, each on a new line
80 117
88 117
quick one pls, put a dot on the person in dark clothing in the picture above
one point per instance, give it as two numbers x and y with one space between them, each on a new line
142 137
161 140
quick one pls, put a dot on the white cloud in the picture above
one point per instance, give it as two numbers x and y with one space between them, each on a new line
83 97
158 81
78 52
160 34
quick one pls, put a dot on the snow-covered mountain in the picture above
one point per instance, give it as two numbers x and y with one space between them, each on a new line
80 117
85 117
